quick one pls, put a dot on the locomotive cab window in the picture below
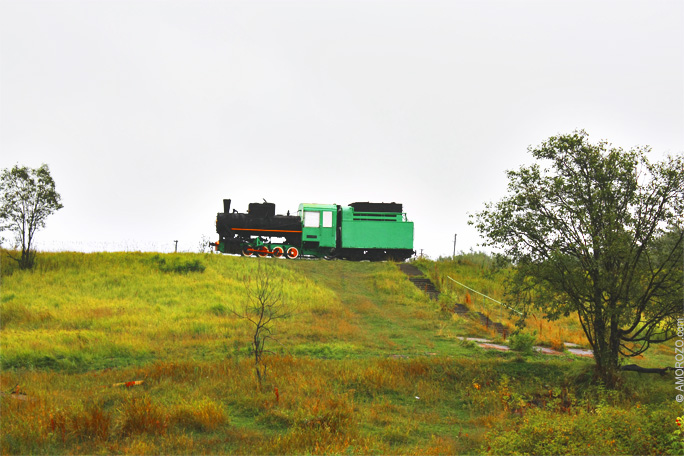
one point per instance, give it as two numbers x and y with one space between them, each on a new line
327 219
312 219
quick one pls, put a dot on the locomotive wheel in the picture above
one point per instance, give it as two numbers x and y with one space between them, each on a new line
263 252
292 252
278 252
247 252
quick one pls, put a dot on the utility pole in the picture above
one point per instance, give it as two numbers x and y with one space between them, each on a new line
454 255
175 250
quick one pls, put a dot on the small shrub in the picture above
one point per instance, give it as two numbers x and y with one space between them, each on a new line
178 264
92 424
677 438
558 345
465 343
201 417
59 425
333 415
523 342
141 416
219 310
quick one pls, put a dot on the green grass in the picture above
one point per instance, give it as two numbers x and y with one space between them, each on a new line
367 365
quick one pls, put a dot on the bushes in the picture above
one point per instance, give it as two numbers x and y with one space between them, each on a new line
202 416
317 425
355 406
607 430
178 264
142 416
523 342
90 425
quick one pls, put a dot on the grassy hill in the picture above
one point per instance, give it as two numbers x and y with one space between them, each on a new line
366 365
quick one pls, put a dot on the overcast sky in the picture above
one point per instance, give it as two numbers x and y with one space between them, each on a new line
149 113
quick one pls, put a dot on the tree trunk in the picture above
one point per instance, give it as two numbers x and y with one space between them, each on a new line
27 259
605 355
257 359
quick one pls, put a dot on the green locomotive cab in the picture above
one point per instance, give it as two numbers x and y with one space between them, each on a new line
319 228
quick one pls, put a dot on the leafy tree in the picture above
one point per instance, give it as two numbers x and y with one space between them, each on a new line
598 231
27 197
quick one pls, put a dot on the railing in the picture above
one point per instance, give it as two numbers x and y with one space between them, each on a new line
484 295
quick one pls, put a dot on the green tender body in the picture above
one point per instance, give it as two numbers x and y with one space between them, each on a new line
375 230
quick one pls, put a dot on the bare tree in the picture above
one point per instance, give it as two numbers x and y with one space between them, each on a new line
264 307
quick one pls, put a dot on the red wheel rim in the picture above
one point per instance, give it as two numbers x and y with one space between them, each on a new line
292 252
278 252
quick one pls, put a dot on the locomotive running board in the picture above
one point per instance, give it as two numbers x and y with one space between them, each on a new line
259 229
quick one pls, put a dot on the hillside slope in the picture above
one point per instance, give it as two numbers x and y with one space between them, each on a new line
141 353
80 312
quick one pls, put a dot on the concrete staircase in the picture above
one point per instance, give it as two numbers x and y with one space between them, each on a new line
416 277
462 309
424 284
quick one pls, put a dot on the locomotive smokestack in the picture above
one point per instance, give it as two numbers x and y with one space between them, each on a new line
226 206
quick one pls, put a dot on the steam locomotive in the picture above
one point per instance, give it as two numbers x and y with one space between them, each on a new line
359 231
